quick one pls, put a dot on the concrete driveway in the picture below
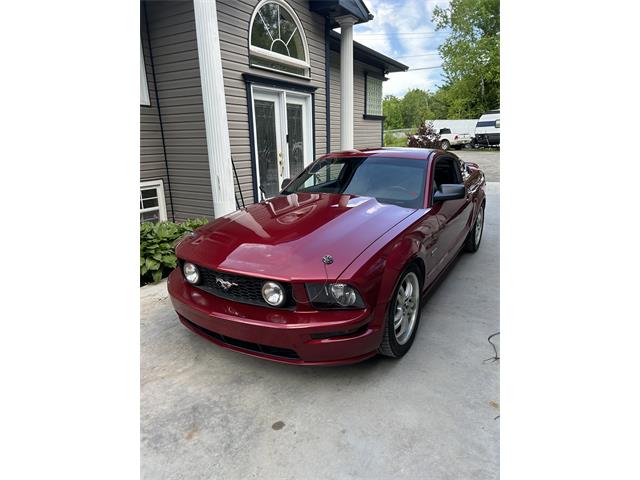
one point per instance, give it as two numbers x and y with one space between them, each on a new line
209 413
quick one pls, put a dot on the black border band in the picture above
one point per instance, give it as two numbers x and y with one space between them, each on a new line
277 83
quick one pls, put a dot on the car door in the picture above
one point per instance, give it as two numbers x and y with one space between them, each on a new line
454 215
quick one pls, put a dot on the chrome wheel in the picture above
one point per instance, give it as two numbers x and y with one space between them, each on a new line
406 308
479 225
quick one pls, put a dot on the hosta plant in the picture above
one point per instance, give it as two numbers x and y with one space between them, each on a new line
157 243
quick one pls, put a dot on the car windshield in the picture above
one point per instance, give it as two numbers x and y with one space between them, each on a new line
397 181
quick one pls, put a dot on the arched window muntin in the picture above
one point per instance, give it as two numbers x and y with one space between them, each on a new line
275 25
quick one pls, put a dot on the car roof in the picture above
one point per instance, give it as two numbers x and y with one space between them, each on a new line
395 152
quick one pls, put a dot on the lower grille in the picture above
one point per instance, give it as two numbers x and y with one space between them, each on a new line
244 289
253 347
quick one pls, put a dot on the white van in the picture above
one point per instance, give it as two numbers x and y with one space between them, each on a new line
488 129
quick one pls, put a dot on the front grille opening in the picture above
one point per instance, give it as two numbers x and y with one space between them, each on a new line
253 347
244 290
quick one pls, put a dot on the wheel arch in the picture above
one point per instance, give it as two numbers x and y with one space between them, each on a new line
420 265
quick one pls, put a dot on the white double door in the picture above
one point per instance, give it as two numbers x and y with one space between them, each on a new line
282 136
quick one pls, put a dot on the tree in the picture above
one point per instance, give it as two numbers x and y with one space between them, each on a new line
471 56
439 103
392 111
415 108
408 111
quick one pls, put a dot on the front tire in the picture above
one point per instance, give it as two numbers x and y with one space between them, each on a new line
444 144
472 243
403 316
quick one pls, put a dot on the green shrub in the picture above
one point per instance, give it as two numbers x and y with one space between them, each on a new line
157 244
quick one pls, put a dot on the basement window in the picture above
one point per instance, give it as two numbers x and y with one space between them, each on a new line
152 205
373 92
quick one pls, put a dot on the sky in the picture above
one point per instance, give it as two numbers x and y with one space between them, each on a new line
402 30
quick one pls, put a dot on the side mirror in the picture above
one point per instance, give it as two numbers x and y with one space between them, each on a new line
285 182
449 192
471 166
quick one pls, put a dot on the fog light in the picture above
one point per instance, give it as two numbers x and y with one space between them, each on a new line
273 293
191 273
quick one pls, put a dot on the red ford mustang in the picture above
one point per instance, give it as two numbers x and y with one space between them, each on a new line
332 270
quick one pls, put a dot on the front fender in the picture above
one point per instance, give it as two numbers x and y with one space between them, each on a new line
376 270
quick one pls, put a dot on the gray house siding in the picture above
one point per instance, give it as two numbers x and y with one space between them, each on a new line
366 133
233 24
170 52
175 57
152 160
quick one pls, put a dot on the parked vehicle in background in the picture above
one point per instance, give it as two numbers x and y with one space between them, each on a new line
458 125
488 129
455 140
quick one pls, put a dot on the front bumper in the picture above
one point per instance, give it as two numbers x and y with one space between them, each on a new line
274 334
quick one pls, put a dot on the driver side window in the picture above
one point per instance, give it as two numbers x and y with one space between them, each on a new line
447 171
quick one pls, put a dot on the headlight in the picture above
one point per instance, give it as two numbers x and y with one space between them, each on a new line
273 293
191 273
333 295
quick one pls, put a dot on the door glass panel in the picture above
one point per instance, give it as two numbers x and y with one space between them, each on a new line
296 142
265 113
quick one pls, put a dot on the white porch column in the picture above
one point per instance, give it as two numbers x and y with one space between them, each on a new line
215 108
346 81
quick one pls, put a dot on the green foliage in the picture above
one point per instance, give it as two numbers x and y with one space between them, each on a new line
391 109
471 57
391 140
408 111
415 107
471 63
157 243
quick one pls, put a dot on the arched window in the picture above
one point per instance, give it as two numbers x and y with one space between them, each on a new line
277 40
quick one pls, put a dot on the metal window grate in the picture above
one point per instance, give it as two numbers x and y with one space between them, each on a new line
374 96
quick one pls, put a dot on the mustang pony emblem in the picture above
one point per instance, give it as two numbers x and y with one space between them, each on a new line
225 284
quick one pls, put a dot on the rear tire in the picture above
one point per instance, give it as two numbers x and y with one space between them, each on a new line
472 243
444 144
403 317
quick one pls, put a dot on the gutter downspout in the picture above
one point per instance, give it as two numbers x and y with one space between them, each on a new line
215 108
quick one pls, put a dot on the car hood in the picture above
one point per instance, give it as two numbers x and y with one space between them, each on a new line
286 237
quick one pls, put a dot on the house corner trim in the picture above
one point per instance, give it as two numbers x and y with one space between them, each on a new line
214 105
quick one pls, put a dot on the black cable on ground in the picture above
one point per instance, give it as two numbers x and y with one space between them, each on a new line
495 357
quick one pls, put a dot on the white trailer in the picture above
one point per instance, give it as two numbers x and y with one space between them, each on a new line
488 129
464 127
